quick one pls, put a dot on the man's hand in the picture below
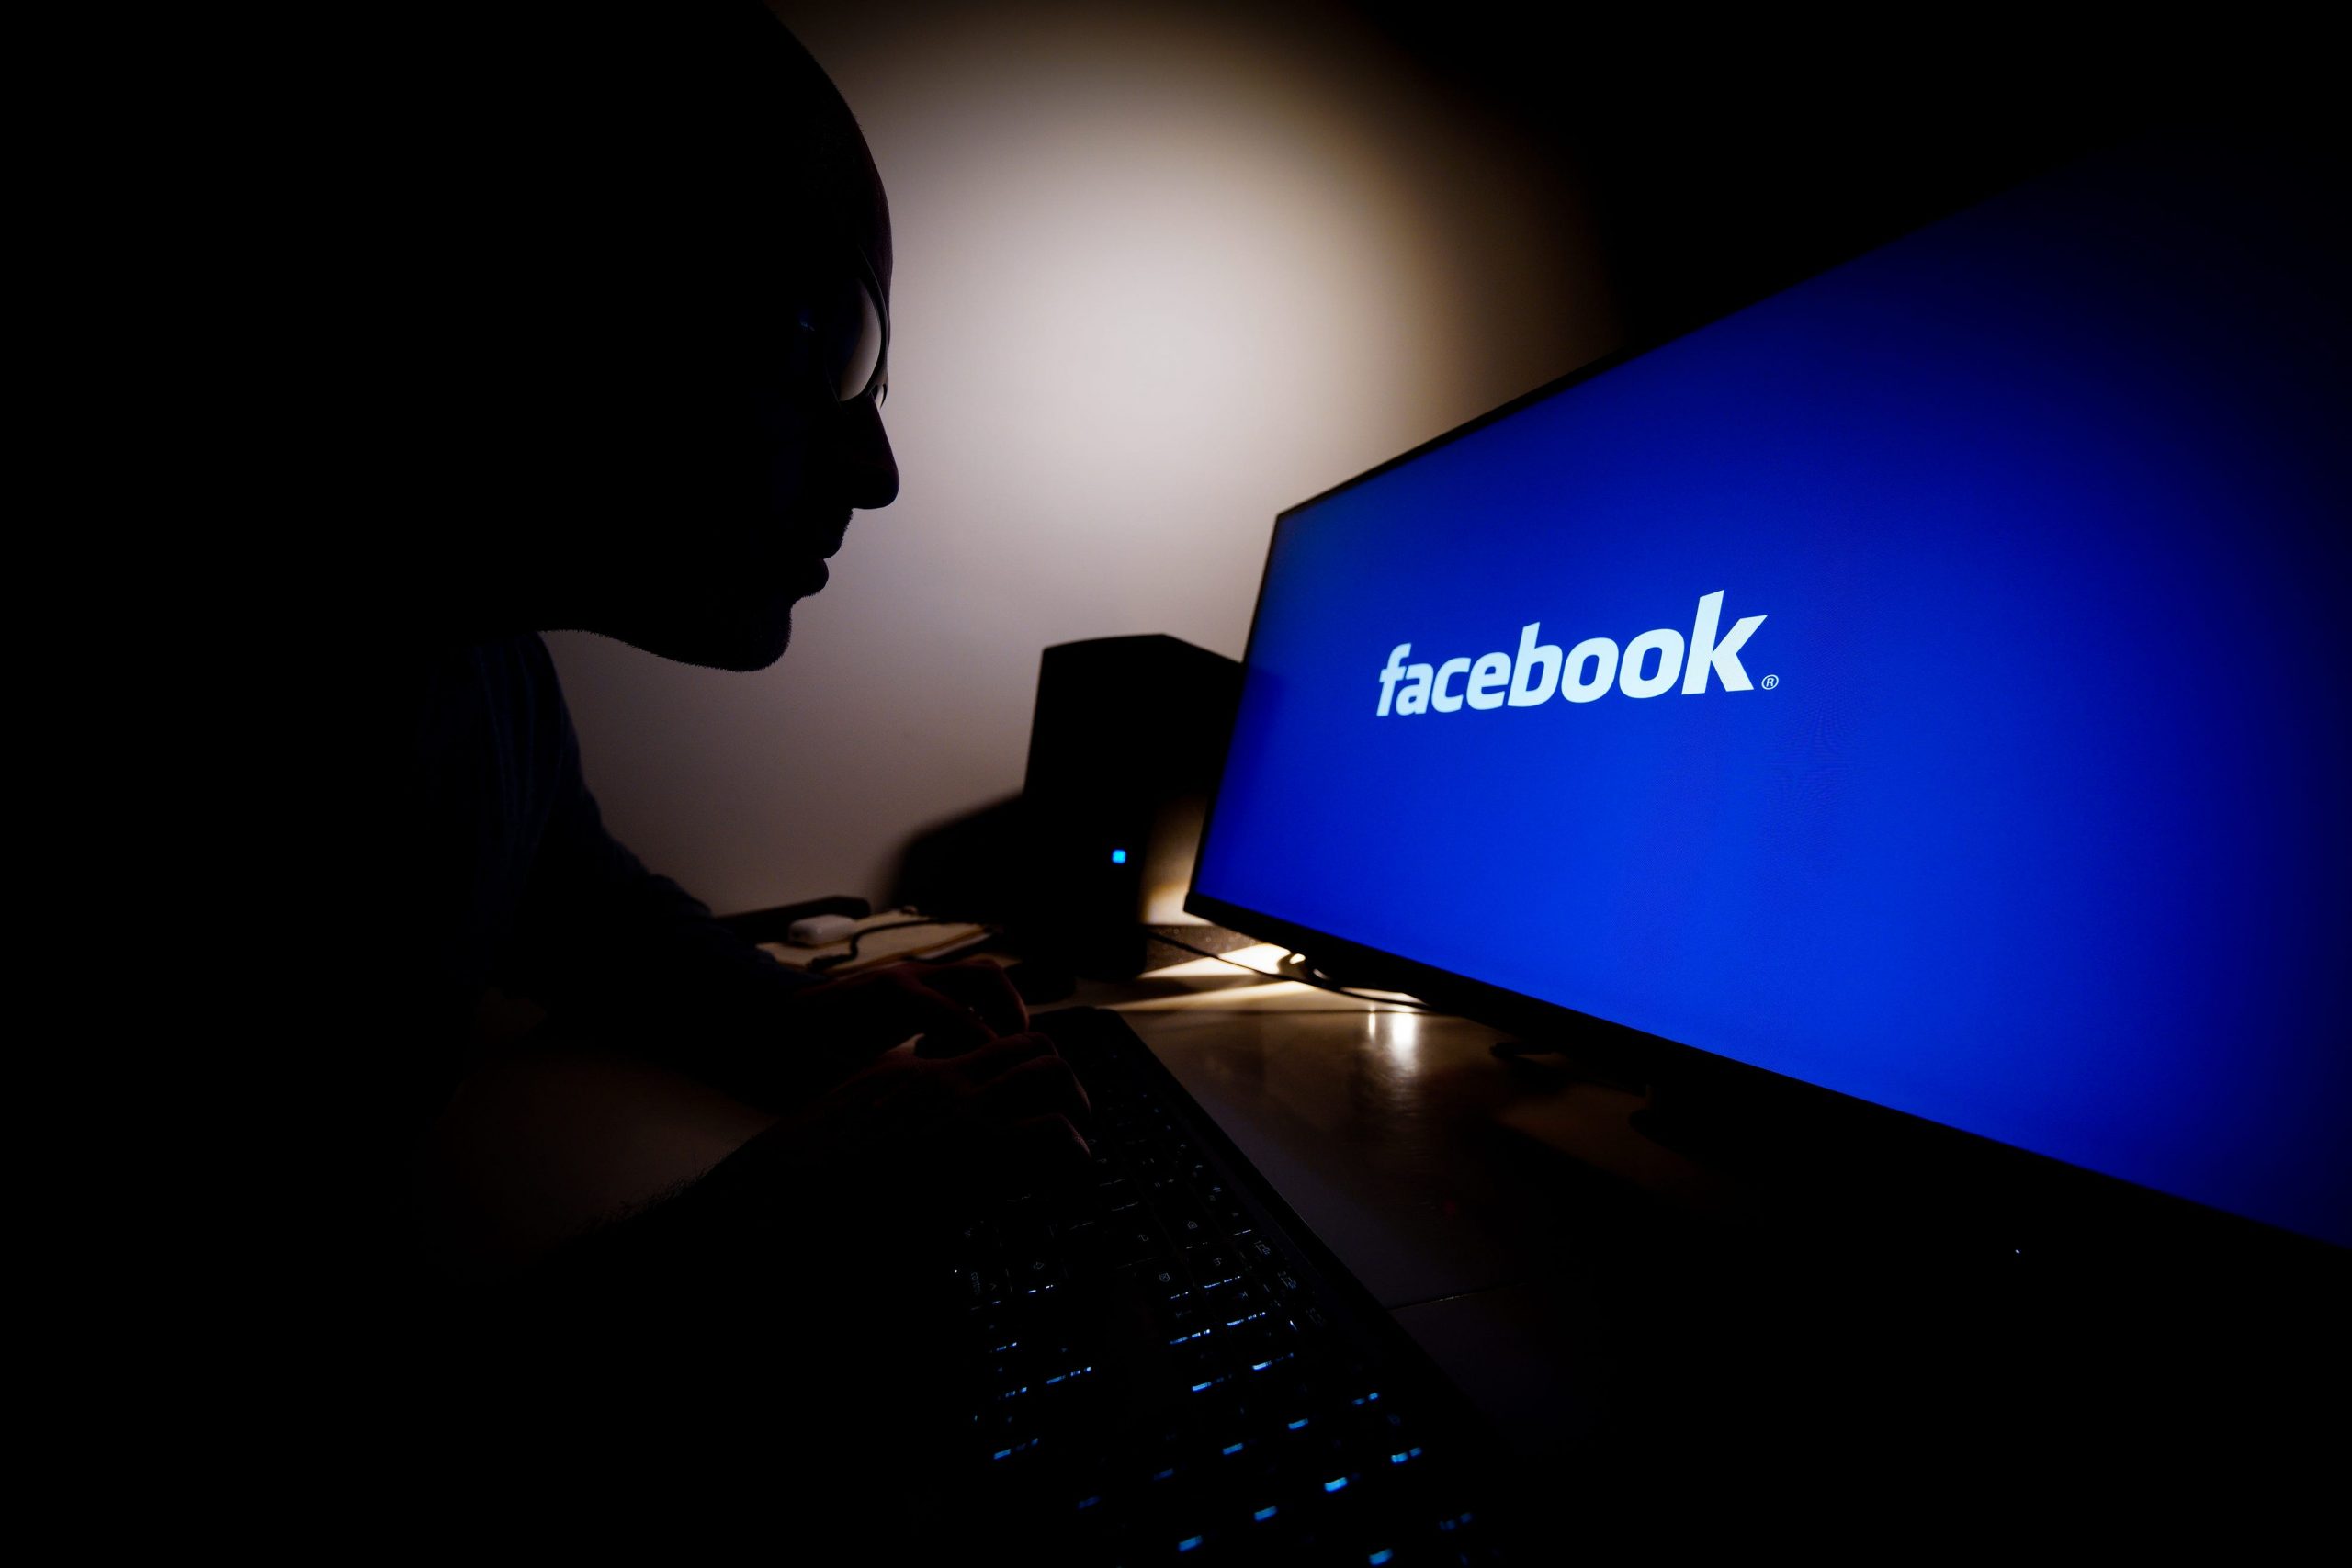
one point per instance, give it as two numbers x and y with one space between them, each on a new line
1004 1116
954 1006
841 1026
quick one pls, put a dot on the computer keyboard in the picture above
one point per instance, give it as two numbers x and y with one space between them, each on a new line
1169 1368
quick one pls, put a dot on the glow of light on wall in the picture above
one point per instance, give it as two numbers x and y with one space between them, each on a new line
1162 271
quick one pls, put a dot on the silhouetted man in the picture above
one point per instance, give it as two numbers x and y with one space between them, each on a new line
630 380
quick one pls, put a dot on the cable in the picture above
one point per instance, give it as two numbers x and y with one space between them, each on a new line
1301 979
833 961
836 960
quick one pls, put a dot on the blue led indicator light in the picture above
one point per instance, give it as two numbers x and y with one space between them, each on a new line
1340 1484
1377 1558
1119 857
1262 1515
1188 1544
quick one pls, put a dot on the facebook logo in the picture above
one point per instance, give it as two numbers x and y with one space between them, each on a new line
1647 666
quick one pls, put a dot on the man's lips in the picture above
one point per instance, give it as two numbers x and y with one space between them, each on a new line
821 540
798 549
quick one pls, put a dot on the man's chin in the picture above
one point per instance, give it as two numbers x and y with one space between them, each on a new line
757 652
735 637
755 642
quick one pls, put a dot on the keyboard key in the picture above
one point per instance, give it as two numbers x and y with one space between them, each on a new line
1194 1229
1163 1281
1024 1226
1213 1260
999 1422
980 1288
1036 1272
1204 1360
1230 1295
1126 1242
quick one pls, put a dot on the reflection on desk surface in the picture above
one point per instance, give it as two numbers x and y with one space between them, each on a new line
1429 1164
1601 1297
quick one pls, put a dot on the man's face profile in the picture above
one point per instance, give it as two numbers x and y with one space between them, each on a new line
687 433
764 456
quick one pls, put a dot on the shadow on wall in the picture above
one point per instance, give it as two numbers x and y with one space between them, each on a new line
969 868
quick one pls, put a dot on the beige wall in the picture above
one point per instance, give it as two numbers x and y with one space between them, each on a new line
1160 274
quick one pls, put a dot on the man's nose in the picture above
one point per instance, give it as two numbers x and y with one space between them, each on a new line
870 469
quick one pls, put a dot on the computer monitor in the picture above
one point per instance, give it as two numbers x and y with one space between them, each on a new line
1922 694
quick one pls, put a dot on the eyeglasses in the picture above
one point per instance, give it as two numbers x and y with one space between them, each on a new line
853 338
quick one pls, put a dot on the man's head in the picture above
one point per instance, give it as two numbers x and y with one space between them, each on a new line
686 250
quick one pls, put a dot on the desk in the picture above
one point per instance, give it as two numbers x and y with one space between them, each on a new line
1460 1188
1443 1175
1633 1319
1603 1300
1575 1279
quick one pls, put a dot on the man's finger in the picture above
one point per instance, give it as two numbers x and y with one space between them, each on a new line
982 986
986 1063
1046 1149
1043 1086
896 1002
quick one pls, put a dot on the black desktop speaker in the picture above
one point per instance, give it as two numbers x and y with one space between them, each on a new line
1123 753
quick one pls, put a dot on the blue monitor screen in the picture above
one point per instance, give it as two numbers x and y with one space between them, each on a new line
1928 683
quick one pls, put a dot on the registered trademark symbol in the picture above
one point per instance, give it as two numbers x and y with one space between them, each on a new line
1770 681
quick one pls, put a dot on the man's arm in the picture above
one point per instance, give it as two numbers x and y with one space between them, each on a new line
618 951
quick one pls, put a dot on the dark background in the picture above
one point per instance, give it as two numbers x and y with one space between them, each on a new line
1723 158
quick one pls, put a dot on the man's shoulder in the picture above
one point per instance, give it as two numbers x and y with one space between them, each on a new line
516 698
433 674
481 722
519 669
